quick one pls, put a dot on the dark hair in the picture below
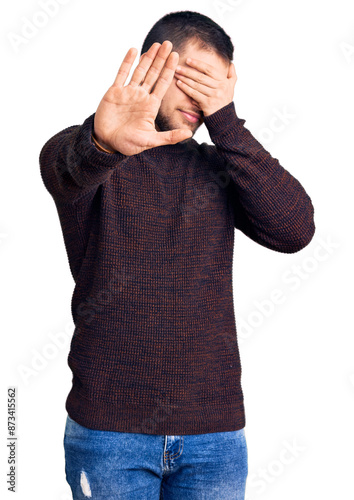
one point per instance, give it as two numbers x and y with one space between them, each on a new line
183 26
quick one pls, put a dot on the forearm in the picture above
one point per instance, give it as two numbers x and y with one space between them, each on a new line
270 205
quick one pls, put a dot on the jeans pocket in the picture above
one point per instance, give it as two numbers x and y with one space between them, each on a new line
71 427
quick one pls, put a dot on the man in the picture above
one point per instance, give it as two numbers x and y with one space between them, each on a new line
148 218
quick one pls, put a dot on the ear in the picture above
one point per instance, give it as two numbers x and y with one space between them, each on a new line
232 72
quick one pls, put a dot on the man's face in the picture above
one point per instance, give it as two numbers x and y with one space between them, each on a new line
169 116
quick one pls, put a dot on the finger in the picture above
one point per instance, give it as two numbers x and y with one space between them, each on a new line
193 93
158 64
170 137
125 67
201 66
203 89
166 77
142 55
144 65
197 76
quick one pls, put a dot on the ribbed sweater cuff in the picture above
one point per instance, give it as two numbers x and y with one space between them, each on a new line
85 147
227 129
223 119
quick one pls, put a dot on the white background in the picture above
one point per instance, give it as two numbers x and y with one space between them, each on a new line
295 58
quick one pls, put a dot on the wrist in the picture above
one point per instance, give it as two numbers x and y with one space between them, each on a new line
101 146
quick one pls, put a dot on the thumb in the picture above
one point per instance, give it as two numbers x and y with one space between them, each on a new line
171 137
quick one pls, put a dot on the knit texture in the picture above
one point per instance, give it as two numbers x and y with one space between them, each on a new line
150 240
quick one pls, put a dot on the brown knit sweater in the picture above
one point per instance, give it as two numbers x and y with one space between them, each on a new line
149 240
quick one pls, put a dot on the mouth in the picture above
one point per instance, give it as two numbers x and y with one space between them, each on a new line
191 117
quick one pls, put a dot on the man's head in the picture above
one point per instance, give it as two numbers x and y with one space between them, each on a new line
192 35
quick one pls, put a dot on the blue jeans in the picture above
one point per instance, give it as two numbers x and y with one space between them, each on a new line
105 465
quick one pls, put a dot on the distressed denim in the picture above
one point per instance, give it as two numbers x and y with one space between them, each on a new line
105 465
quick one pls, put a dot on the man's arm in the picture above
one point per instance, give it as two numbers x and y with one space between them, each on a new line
124 122
269 204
